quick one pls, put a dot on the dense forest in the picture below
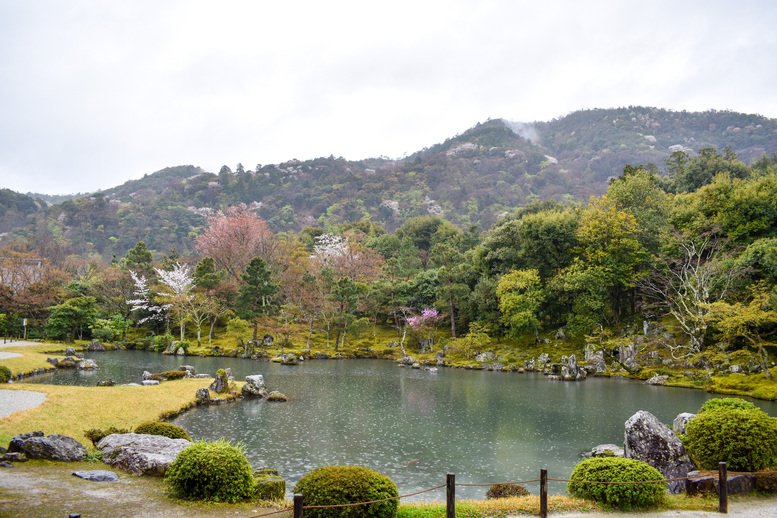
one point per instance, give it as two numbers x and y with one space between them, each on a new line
597 220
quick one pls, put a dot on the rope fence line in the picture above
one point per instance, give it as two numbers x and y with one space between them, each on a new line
543 480
285 510
502 483
372 502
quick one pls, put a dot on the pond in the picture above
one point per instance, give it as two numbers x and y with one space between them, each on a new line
412 425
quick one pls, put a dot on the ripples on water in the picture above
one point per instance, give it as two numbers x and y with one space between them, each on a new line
412 425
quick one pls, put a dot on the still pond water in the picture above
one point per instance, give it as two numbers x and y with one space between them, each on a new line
411 425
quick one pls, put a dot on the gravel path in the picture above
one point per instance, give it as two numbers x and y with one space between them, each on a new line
765 508
14 400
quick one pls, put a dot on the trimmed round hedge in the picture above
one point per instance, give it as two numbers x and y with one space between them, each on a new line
616 469
334 485
173 431
733 431
216 471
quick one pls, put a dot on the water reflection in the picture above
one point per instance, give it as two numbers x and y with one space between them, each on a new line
412 425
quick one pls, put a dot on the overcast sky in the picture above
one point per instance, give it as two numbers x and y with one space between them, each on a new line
93 93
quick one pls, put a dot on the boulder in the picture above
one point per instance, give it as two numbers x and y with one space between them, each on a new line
97 475
180 352
572 371
70 351
605 450
203 394
150 382
561 334
320 356
88 365
277 397
705 484
268 485
220 384
628 356
146 376
657 379
485 357
543 358
289 359
69 362
94 345
681 422
407 360
49 447
254 386
141 454
188 368
649 440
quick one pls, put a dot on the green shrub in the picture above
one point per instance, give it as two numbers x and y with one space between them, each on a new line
616 469
506 491
170 430
333 485
732 431
162 341
726 403
5 374
216 471
185 344
95 434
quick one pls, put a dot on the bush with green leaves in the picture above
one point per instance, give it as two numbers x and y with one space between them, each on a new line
334 485
617 469
173 431
211 470
162 341
733 431
96 435
5 374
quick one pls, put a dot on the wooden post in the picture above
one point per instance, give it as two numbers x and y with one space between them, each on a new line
297 505
543 493
450 491
722 488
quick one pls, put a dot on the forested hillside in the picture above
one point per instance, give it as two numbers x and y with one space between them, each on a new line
472 179
488 235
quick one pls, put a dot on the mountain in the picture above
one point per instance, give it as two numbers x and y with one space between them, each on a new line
472 179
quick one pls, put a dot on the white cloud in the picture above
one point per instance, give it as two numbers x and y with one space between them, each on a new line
94 92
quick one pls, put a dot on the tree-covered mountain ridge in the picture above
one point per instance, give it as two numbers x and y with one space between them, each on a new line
472 179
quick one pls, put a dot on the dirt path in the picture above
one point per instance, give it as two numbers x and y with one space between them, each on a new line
49 489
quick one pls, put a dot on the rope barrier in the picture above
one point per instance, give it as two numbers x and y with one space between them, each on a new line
373 502
500 483
677 479
272 513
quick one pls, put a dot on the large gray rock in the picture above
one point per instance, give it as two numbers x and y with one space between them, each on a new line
49 447
97 475
485 357
681 422
604 450
88 365
70 351
94 345
141 454
649 440
254 386
543 358
572 371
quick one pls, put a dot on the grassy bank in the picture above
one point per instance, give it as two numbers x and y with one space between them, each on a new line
72 410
